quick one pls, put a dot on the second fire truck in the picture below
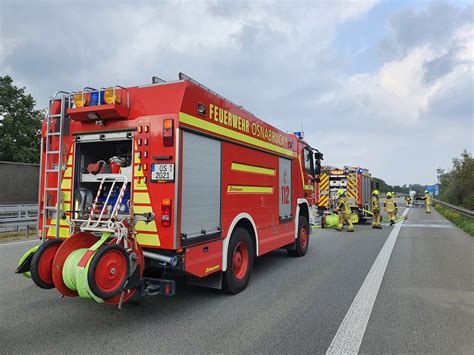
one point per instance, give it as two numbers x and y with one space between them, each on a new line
356 181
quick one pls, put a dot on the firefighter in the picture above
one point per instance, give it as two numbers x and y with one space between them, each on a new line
427 199
407 201
376 217
391 208
394 197
344 210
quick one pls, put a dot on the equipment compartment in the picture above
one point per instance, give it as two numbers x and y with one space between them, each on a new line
99 157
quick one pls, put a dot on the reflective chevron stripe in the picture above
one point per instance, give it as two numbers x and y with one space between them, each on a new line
323 201
147 234
324 182
351 185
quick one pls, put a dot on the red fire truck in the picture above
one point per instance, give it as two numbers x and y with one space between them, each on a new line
159 179
356 181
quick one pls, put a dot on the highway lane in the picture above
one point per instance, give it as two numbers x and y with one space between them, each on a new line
292 305
426 300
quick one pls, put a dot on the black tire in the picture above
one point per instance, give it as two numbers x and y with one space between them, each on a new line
37 270
231 283
91 279
302 242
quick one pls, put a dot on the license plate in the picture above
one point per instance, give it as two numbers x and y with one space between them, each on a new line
162 172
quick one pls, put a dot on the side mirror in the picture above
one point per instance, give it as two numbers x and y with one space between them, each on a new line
318 156
317 169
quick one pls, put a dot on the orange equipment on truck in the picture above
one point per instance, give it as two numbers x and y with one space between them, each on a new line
356 181
168 177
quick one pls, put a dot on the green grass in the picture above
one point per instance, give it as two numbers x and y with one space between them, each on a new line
465 223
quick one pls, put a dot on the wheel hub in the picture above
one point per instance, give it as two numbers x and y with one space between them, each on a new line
111 271
303 238
240 260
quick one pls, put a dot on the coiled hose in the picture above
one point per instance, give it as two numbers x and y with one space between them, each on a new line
75 277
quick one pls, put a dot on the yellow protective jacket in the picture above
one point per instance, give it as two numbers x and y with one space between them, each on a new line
375 204
428 199
343 205
390 205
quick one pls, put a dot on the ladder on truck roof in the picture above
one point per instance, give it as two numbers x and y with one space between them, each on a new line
52 183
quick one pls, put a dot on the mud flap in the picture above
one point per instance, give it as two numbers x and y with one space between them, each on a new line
212 281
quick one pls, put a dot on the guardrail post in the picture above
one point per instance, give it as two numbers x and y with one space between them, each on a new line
16 217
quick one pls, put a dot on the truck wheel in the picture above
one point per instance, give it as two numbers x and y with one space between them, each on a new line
302 242
239 262
42 263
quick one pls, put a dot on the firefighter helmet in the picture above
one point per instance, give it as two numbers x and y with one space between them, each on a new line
376 192
426 191
340 192
389 194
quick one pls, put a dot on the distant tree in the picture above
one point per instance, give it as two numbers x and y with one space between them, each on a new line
405 189
20 124
417 188
457 185
381 185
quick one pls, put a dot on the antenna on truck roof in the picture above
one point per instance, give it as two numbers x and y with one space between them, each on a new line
157 80
183 76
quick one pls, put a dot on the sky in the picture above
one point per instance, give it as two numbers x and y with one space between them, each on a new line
383 85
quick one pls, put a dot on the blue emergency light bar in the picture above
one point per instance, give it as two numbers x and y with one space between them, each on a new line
299 135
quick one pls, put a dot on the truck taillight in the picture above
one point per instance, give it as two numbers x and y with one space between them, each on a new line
168 133
166 212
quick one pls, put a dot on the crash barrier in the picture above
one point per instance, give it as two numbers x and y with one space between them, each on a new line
462 210
18 218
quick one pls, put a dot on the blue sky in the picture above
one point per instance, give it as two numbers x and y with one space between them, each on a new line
357 39
384 85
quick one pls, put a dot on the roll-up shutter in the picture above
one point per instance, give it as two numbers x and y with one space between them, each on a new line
201 187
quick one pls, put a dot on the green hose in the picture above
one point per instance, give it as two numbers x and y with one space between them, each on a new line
25 256
400 218
75 277
332 221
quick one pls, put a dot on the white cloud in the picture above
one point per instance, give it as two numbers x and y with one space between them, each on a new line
277 58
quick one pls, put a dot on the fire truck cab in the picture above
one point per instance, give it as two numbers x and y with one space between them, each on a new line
149 181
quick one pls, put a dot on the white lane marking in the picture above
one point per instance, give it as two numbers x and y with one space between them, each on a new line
351 331
23 241
427 225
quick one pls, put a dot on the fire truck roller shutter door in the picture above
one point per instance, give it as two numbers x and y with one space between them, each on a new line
284 190
201 186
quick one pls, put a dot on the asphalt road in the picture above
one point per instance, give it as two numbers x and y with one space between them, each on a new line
425 303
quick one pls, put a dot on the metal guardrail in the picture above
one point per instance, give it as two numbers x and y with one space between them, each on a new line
18 217
462 210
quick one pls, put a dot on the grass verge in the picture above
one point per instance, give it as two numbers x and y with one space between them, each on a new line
20 235
465 223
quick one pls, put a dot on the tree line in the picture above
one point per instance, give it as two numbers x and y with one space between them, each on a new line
383 187
20 124
456 186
